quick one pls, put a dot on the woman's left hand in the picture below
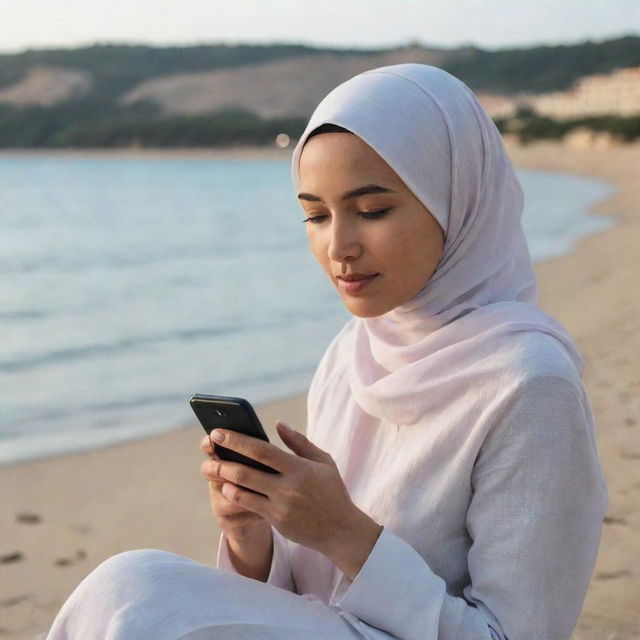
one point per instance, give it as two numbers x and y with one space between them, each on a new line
307 502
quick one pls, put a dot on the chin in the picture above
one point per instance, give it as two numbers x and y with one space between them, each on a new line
364 309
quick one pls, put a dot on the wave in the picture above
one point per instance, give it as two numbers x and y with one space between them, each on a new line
113 262
113 349
93 408
23 314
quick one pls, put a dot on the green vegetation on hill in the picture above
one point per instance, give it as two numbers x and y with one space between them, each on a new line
542 69
116 68
528 126
99 120
82 126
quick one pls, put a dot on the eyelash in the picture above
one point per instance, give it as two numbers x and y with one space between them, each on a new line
373 215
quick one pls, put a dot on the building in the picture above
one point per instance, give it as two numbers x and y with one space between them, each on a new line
616 93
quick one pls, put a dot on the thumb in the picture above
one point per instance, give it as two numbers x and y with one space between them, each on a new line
300 444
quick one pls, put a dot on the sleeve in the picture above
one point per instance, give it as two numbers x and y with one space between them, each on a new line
280 573
535 520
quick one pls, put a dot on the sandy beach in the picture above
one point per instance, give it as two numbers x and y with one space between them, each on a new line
61 517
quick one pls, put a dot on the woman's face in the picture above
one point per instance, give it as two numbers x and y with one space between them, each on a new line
362 214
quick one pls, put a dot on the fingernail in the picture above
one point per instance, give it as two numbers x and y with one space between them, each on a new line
218 436
287 428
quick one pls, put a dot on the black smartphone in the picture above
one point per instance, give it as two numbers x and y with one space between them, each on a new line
235 414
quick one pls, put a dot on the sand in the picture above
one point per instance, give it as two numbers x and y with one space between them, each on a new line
61 517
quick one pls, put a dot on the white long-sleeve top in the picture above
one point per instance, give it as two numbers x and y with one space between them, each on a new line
491 528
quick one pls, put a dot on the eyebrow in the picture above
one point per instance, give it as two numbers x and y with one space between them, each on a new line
354 193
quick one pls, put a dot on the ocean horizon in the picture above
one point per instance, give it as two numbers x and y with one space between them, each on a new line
128 284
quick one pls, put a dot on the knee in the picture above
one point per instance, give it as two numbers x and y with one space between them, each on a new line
135 558
124 565
120 587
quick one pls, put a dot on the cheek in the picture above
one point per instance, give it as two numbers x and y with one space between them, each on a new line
412 256
318 248
402 249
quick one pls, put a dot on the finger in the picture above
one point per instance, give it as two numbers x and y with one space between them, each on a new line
250 501
301 445
209 469
205 445
245 476
222 508
254 448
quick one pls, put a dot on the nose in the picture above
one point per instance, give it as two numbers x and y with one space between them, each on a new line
344 243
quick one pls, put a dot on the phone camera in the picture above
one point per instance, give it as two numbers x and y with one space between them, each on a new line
220 412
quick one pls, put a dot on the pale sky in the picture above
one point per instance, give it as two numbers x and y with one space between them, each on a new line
337 23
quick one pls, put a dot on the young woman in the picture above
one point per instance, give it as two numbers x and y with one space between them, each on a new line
449 485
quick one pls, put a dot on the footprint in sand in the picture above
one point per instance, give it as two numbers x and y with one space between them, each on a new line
28 518
63 562
80 554
81 528
614 520
8 558
612 575
14 600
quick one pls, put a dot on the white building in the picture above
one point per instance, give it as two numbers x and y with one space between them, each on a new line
616 93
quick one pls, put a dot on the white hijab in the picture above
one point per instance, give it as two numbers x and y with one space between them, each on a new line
431 130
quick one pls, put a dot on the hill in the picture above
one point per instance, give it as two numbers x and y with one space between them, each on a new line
108 95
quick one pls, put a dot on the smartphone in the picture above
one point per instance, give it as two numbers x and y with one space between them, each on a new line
235 414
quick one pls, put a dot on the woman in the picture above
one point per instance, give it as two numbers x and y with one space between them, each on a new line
449 484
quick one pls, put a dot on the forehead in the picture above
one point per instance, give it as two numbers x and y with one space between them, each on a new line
337 159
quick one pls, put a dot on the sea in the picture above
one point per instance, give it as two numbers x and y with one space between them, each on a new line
129 283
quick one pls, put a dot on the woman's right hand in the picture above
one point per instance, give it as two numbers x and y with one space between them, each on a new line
236 522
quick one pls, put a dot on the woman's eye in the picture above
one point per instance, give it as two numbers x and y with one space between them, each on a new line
314 219
372 215
368 215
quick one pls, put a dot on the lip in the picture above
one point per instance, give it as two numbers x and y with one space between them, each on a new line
357 284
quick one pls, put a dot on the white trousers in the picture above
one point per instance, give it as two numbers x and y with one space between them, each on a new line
149 594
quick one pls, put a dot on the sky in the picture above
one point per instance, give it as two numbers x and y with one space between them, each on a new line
336 23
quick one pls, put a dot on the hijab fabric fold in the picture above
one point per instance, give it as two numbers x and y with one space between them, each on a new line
429 127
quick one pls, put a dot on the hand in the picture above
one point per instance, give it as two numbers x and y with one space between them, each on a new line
236 522
306 502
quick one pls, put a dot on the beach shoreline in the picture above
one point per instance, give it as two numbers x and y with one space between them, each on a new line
158 153
65 515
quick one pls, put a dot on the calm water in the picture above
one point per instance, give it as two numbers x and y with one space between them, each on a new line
128 284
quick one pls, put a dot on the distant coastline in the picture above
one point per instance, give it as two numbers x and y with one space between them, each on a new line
579 140
243 152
